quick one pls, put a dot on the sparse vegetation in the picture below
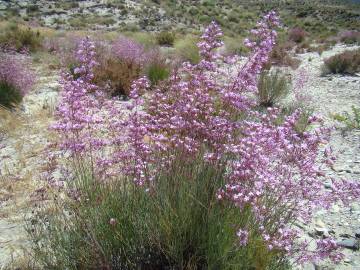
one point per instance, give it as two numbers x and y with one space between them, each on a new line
16 37
186 48
297 34
350 120
350 37
165 38
15 81
154 163
347 62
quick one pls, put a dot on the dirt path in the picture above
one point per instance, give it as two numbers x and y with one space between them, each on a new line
21 146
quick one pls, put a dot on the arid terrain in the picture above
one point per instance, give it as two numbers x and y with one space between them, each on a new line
317 53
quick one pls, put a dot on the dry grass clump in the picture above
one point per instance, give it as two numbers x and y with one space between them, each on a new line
10 121
116 75
280 56
297 35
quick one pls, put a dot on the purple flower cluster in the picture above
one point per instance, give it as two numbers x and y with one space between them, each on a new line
14 72
80 102
129 51
271 168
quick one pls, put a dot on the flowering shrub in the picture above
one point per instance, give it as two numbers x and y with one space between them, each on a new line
188 176
350 37
125 62
15 80
129 51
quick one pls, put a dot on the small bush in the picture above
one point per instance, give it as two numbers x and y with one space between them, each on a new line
347 62
15 81
165 38
272 87
20 38
350 37
32 8
157 72
9 95
281 57
115 76
187 49
297 35
120 66
351 120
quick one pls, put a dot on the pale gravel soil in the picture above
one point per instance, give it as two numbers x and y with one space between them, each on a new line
330 94
21 162
336 94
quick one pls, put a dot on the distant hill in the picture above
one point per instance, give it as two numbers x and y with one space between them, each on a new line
319 17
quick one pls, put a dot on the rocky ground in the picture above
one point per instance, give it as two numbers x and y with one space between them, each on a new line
20 159
95 14
20 162
335 94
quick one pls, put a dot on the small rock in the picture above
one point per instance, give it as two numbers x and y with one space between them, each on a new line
345 235
357 233
308 266
319 223
321 231
349 243
328 185
335 209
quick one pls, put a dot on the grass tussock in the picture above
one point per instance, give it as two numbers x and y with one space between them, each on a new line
272 87
180 225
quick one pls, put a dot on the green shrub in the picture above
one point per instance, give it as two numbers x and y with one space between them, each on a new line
272 87
32 8
186 48
165 38
351 120
9 95
157 72
347 62
235 46
180 225
19 37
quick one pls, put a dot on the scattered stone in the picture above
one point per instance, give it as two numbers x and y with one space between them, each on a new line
357 233
350 244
